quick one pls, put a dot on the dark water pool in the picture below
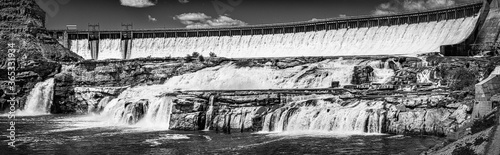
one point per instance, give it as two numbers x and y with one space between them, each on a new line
69 134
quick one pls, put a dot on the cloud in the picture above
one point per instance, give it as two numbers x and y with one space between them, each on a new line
314 19
183 1
152 19
398 6
139 3
201 20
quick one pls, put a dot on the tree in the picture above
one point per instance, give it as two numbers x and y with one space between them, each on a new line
201 58
212 55
195 54
189 58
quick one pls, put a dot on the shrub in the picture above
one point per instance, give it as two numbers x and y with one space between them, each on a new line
189 58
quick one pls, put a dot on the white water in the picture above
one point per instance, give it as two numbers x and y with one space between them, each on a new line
230 76
81 47
314 75
157 114
39 99
110 49
406 39
208 120
357 117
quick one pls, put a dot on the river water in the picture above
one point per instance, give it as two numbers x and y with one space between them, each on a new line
73 134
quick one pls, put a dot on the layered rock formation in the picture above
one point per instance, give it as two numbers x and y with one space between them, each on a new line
37 54
441 101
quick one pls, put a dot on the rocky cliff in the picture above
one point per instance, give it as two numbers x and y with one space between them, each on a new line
38 56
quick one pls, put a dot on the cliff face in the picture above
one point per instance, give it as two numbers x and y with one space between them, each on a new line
21 14
22 23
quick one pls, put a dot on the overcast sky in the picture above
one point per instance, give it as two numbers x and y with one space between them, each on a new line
148 14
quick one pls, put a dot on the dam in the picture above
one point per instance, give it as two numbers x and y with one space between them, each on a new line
447 30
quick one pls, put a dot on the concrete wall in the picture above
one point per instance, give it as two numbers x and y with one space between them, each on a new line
484 91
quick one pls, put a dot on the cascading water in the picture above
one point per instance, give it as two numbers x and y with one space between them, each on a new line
110 49
81 47
39 99
143 106
320 115
406 39
209 114
314 75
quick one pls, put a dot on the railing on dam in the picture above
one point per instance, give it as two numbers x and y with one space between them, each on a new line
461 11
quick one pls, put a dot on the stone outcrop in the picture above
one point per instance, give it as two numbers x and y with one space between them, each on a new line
471 144
135 111
90 99
187 121
485 90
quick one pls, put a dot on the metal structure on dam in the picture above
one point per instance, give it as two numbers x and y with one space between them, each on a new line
452 31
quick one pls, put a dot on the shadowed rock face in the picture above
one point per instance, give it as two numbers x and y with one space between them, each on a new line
22 14
135 111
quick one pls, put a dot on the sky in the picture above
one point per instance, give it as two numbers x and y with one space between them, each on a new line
153 14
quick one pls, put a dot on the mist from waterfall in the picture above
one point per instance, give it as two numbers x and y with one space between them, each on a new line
39 99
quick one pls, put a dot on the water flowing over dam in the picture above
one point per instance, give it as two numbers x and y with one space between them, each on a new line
405 34
39 99
385 40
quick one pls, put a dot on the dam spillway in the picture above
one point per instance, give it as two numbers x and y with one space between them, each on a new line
403 34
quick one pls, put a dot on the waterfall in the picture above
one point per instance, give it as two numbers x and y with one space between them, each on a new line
110 49
424 76
159 114
142 106
39 99
81 47
208 116
382 72
356 117
232 76
404 39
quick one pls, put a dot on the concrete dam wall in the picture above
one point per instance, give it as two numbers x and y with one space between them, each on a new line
407 34
385 40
